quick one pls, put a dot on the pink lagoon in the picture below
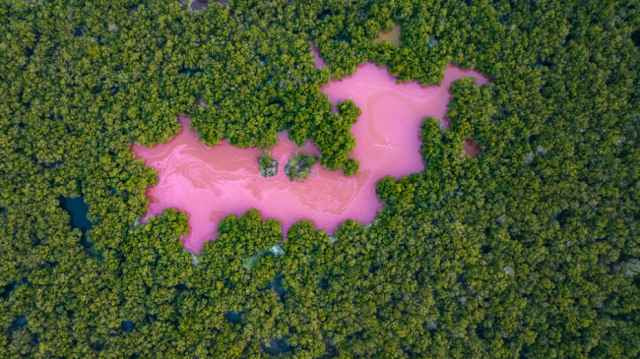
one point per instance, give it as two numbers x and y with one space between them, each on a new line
210 182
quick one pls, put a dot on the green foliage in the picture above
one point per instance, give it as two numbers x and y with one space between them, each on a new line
529 250
268 166
299 166
350 167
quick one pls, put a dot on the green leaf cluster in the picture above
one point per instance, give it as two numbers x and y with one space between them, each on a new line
299 166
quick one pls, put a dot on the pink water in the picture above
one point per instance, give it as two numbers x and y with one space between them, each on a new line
209 183
317 60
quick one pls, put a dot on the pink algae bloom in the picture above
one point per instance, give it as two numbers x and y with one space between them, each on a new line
211 182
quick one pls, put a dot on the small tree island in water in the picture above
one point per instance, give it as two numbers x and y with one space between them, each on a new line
298 167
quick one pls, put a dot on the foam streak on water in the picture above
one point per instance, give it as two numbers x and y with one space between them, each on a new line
209 183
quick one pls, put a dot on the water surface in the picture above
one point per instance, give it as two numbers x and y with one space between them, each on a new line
211 182
77 209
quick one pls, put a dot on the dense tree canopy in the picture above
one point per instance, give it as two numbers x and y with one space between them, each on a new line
531 249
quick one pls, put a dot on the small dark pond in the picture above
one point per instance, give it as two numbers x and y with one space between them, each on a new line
233 317
77 208
635 37
127 326
278 347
